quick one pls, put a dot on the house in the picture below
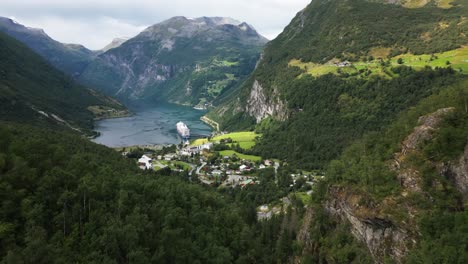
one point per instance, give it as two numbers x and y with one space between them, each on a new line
343 64
268 163
169 157
198 149
243 168
262 166
145 163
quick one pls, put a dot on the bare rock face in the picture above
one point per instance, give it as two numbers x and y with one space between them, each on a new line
261 106
408 177
458 174
381 236
370 223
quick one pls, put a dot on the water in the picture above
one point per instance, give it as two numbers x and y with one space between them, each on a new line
150 125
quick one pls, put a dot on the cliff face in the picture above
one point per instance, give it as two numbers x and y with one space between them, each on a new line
375 223
381 236
260 105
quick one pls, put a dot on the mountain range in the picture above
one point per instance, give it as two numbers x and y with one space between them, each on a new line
182 60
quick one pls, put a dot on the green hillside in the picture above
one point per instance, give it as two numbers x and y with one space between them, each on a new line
33 91
343 68
402 178
65 198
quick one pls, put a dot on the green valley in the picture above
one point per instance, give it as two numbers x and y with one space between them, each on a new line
342 140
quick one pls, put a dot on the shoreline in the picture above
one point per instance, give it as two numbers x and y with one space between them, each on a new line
210 122
129 114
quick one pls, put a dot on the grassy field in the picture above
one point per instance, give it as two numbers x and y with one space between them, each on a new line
246 139
173 165
457 59
239 155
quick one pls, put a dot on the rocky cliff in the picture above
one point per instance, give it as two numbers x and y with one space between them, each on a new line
376 223
458 173
261 105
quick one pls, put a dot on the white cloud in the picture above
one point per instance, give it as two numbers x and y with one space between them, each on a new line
94 34
95 23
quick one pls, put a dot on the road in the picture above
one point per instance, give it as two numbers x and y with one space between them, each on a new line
201 167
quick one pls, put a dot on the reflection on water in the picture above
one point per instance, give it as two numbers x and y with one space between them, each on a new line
150 125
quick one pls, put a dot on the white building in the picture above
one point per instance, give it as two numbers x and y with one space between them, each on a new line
145 163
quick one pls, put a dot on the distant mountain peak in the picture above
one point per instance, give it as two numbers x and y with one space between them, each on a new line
180 26
116 42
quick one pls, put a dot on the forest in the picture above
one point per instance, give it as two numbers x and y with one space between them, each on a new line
66 199
330 112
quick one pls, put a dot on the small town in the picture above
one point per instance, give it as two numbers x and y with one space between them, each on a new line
224 160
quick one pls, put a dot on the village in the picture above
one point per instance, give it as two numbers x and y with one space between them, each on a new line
225 161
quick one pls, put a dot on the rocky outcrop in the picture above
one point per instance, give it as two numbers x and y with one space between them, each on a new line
370 221
458 174
382 236
260 105
303 236
409 178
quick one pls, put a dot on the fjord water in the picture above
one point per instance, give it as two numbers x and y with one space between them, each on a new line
150 125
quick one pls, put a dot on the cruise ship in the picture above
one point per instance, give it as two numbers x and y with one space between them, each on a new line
183 130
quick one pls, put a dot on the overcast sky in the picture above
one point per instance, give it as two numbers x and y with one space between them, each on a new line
94 23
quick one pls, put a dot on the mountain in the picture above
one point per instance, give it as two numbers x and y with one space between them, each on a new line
70 58
33 91
182 60
341 68
114 44
372 95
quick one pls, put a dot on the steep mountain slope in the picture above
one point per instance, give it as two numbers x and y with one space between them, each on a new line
403 191
187 61
342 68
70 58
33 91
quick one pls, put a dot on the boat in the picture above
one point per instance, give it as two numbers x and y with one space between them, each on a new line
183 131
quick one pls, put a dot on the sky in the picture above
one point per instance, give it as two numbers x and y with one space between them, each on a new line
95 23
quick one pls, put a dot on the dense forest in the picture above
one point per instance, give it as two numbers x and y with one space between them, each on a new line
66 199
330 112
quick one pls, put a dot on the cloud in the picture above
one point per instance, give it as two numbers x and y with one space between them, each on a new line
95 23
94 34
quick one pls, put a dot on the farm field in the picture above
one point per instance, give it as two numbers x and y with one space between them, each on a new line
246 139
457 59
239 155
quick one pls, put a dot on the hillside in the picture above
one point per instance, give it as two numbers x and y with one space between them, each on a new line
181 60
65 198
70 58
33 91
343 68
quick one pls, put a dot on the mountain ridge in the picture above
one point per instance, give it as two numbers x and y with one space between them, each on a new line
181 60
70 58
